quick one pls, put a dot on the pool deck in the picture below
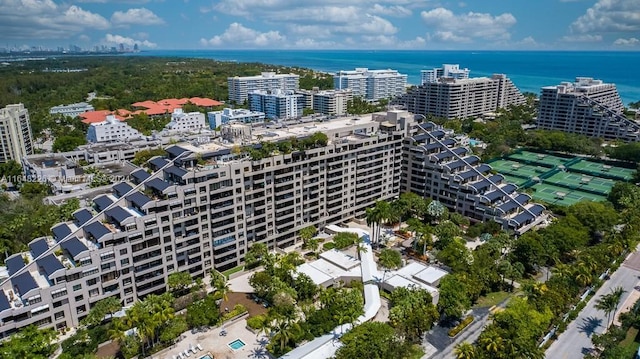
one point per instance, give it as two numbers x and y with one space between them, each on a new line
218 346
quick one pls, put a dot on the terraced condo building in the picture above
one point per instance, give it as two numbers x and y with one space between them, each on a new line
204 205
451 98
435 166
587 106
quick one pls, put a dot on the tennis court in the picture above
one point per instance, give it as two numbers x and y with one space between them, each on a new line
601 169
538 158
561 195
517 169
598 185
518 181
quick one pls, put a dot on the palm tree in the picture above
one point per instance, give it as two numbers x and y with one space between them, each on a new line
464 350
491 342
374 219
608 303
389 259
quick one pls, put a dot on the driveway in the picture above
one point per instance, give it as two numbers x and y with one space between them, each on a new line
575 342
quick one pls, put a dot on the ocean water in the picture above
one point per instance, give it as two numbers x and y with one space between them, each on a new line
529 70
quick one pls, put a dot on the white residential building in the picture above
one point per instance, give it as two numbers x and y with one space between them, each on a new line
452 98
230 115
447 70
277 103
111 130
328 102
186 122
587 106
16 140
372 85
72 110
240 87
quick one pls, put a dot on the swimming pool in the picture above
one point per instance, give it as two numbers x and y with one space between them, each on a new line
236 344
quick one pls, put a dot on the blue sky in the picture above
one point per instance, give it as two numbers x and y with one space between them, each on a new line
325 24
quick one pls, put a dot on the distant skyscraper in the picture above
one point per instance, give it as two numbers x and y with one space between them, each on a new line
587 106
372 85
135 47
16 140
448 71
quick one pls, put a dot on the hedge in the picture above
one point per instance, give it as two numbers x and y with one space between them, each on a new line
458 328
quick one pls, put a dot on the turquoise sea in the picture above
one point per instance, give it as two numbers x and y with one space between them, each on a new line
529 70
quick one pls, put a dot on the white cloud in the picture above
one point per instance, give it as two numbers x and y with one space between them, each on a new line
448 26
44 19
141 16
128 41
609 16
632 41
84 38
582 38
392 10
236 35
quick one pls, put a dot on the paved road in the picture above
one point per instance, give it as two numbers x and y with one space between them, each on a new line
575 342
447 345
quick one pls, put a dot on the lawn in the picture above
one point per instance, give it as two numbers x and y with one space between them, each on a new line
491 299
229 272
630 342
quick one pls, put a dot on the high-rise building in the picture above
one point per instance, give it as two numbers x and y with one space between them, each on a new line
447 70
16 140
202 207
587 106
372 85
453 98
240 87
328 102
277 104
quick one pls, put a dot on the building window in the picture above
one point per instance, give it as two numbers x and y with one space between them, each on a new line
77 287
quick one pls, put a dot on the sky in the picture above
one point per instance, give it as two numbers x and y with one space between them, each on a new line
324 24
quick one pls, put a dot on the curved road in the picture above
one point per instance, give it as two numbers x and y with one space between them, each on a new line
575 342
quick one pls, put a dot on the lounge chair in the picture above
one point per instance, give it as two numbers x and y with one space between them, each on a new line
199 346
187 354
192 348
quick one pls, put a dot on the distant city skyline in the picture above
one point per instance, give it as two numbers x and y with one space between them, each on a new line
332 24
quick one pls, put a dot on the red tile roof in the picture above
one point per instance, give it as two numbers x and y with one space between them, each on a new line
204 102
97 116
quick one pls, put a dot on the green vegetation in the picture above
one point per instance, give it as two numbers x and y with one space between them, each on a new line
121 81
203 313
266 149
233 270
141 157
30 342
146 125
359 106
374 340
26 218
156 323
100 310
179 283
463 324
490 299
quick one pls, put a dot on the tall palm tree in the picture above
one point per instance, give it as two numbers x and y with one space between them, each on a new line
608 303
464 350
373 220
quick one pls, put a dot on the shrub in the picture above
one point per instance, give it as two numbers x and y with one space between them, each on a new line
256 322
237 310
458 328
328 246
